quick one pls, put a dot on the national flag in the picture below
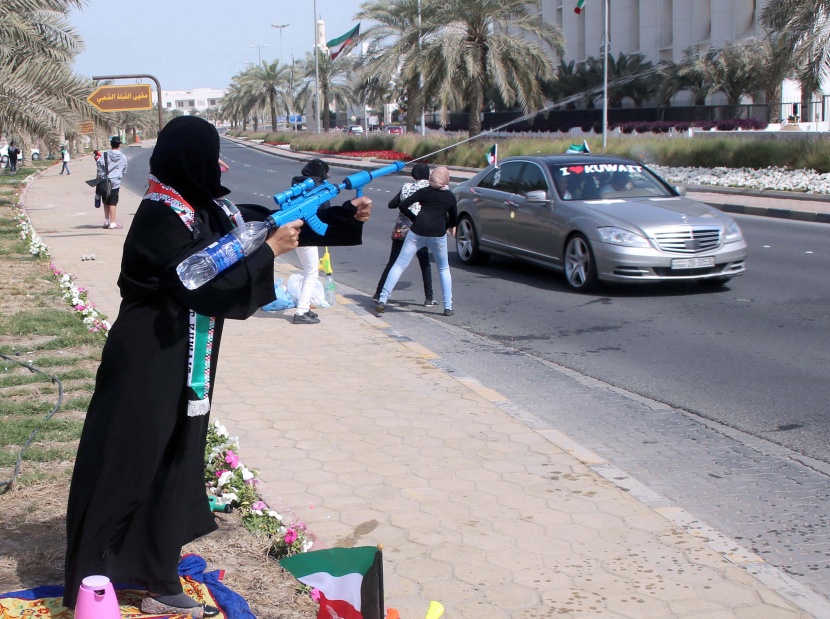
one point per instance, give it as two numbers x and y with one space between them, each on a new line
343 44
579 5
350 580
578 148
493 155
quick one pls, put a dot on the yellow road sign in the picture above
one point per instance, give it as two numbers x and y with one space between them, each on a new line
87 127
122 98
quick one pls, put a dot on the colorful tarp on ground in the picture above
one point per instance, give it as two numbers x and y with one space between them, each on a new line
204 587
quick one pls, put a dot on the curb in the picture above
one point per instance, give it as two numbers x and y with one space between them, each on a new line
779 213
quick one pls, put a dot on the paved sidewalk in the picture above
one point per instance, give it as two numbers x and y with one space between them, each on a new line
356 431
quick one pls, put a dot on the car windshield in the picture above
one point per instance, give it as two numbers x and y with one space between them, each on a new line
606 181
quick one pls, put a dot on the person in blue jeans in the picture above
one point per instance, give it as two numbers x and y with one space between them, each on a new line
437 217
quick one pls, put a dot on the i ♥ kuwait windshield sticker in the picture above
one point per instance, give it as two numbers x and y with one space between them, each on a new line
596 168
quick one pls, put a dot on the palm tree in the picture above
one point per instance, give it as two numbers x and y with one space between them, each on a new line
640 82
268 85
390 48
776 62
470 44
696 73
37 46
736 68
334 78
804 27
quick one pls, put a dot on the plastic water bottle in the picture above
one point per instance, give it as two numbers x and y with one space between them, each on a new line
329 289
97 201
202 267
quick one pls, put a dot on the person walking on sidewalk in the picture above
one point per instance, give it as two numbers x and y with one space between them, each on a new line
65 160
113 165
420 174
309 257
437 216
14 153
137 494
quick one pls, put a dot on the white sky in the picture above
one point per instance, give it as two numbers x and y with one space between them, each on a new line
199 43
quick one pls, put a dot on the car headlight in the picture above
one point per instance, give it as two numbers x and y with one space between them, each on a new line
733 233
618 236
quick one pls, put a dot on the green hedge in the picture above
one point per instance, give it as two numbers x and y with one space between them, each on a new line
448 149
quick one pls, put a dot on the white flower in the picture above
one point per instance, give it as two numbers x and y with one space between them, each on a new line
307 544
274 514
224 478
246 474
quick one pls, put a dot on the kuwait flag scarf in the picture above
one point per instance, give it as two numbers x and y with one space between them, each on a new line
350 580
342 44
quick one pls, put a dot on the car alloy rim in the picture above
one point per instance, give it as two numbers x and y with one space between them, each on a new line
577 262
464 240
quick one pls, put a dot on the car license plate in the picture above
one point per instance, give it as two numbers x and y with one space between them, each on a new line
693 263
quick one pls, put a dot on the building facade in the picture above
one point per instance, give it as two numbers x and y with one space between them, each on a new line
197 99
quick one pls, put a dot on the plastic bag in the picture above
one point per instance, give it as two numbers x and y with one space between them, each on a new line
318 297
283 300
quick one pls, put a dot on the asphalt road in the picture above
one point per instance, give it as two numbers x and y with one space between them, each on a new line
752 355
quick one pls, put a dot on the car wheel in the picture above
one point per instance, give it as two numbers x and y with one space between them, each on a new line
580 267
466 243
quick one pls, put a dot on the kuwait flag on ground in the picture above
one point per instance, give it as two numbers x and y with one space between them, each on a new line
342 44
350 580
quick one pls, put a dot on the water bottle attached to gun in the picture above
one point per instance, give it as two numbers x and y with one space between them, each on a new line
299 202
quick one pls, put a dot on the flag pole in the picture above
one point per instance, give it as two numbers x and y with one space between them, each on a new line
380 583
605 80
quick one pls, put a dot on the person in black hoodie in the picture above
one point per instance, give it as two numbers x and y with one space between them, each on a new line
437 216
137 494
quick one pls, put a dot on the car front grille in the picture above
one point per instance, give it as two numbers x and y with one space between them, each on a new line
687 239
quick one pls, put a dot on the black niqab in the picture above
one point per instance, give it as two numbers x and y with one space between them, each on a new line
186 158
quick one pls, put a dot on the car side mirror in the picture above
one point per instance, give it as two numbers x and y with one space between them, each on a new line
537 195
680 190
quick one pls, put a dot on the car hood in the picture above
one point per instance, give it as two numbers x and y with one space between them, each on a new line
656 212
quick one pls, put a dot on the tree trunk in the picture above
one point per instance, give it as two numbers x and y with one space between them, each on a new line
273 106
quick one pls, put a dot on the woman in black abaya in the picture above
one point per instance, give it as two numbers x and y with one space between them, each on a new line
138 493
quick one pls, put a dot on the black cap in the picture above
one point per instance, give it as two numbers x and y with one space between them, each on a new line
115 140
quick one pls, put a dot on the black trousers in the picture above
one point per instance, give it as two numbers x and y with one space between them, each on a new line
423 260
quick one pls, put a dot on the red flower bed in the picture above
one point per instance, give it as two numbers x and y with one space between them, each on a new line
391 155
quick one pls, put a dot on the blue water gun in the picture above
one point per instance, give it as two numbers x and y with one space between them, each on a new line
300 202
304 199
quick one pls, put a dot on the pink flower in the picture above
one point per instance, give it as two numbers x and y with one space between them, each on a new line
259 505
290 536
220 472
232 459
315 595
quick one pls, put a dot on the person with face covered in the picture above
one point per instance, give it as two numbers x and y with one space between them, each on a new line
437 217
137 494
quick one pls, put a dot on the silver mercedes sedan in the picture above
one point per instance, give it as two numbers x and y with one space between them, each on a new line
596 218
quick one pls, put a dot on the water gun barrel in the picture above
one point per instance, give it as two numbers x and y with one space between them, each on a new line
358 180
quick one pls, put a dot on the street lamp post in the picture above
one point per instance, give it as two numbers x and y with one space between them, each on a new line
259 52
280 27
605 52
316 71
420 76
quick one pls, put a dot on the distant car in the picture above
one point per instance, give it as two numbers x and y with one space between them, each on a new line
394 129
595 218
356 130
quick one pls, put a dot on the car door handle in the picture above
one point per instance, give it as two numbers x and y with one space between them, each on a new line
511 203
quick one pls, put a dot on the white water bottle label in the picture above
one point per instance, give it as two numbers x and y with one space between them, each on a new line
225 252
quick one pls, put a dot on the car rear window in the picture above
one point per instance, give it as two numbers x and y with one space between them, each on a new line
599 181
